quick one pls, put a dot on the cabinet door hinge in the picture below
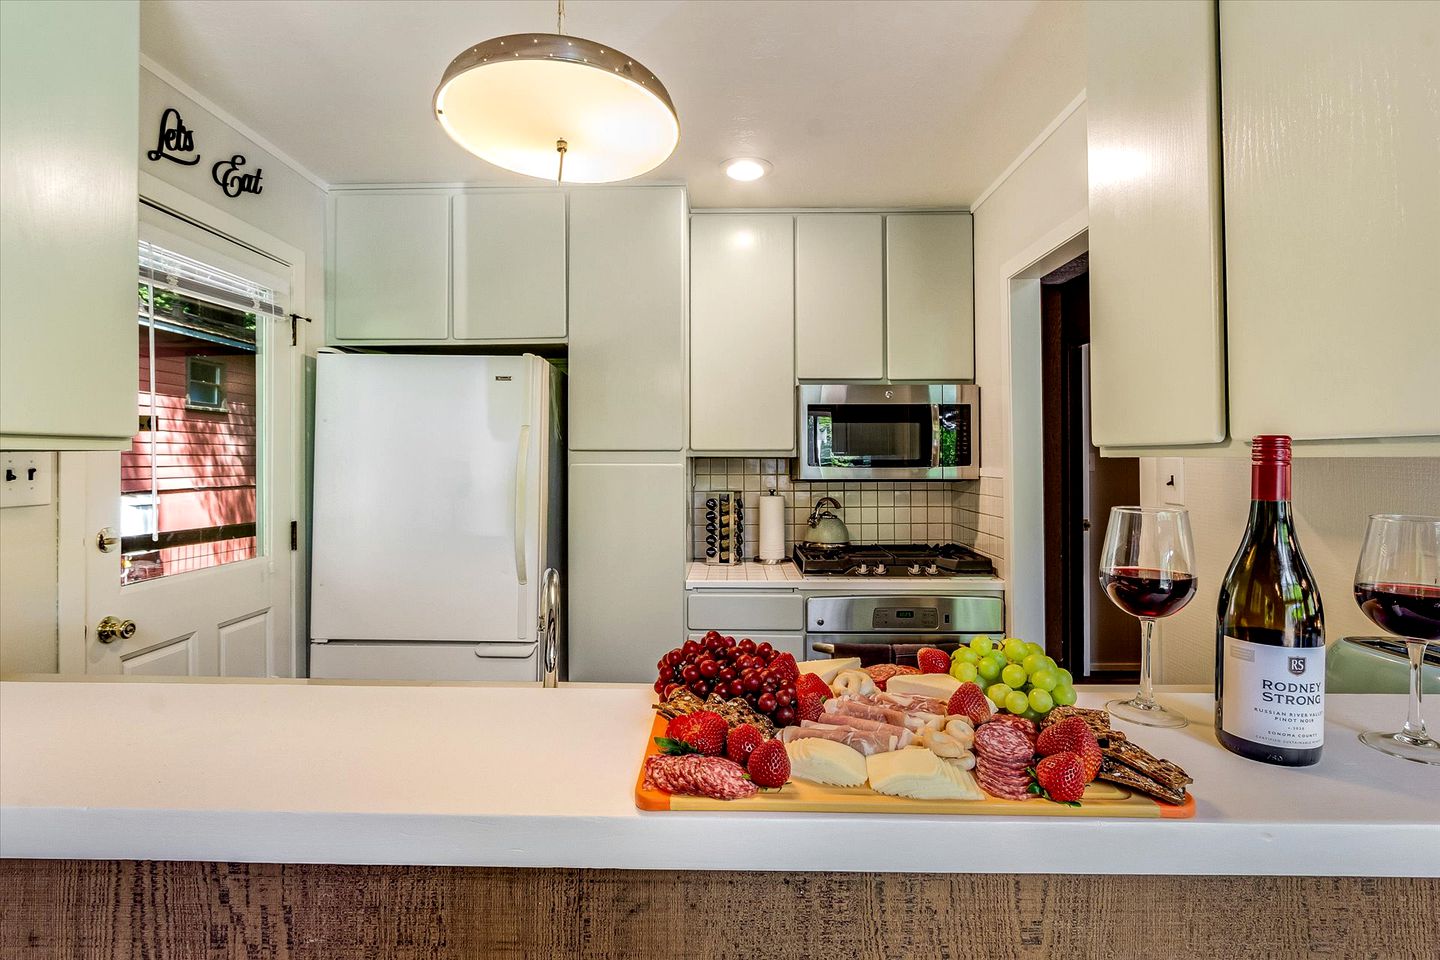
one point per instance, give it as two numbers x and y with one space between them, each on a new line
294 535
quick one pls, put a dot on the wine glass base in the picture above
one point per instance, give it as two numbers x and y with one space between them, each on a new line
1145 713
1403 745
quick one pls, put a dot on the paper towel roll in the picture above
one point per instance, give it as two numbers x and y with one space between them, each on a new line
772 529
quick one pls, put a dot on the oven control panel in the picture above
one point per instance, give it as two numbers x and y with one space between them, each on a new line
907 618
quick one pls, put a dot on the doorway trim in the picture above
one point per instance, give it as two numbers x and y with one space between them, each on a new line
74 540
1024 488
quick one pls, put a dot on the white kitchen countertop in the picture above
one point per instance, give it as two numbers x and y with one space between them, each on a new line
786 576
296 771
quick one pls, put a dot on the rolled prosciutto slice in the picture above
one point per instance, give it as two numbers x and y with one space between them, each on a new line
860 723
873 709
865 742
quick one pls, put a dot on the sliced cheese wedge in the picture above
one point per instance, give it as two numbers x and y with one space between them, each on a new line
825 761
938 685
917 773
827 669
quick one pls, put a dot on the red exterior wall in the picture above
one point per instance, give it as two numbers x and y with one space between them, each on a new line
205 460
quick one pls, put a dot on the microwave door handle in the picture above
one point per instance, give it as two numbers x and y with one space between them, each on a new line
935 435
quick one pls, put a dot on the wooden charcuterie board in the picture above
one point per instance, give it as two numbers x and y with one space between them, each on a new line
799 796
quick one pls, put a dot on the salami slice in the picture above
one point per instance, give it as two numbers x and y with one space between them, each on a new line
881 672
1001 741
698 775
1023 724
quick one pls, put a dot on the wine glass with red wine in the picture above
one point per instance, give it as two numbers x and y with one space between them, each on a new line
1148 570
1397 584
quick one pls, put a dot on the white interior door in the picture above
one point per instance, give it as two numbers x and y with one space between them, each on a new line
186 536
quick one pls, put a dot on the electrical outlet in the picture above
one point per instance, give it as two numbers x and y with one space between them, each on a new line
1170 480
25 478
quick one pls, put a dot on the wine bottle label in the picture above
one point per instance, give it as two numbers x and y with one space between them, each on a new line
1274 695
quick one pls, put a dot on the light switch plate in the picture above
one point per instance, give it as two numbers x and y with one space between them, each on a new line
32 473
1170 480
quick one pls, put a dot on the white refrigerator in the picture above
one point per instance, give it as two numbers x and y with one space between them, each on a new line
437 519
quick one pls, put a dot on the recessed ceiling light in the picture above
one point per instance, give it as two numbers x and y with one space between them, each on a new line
746 169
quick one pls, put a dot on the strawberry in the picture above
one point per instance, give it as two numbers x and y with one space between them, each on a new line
970 701
784 668
1071 735
809 683
809 706
700 732
710 732
742 741
769 764
1061 777
930 660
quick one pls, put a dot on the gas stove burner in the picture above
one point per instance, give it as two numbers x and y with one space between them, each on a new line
891 560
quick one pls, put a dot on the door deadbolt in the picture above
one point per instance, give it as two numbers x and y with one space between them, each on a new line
111 629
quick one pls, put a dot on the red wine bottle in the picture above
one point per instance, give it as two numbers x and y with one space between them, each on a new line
1270 629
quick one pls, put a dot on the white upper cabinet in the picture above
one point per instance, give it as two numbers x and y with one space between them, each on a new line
508 252
1332 218
929 297
839 296
742 333
627 318
391 274
1157 322
69 128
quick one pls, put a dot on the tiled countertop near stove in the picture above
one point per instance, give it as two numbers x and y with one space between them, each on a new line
785 576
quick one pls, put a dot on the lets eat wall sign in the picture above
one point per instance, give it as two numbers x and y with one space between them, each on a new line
176 142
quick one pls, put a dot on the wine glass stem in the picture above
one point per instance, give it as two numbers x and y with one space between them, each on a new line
1147 635
1415 724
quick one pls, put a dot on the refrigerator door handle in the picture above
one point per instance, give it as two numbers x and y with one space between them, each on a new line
522 470
549 625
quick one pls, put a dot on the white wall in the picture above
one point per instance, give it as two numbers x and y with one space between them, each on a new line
1047 191
1332 497
291 207
28 587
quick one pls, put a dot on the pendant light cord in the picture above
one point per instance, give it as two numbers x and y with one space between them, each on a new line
560 17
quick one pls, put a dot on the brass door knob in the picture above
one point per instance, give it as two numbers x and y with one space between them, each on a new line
106 540
111 629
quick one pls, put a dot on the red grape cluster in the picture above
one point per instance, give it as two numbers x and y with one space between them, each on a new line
719 664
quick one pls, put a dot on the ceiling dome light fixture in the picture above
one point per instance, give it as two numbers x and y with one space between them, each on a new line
557 107
746 169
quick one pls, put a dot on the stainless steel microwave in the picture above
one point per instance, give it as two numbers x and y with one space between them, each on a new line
889 432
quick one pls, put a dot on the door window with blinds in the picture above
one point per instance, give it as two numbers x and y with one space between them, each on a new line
189 480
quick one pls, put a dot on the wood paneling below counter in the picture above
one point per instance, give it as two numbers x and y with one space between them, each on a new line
103 909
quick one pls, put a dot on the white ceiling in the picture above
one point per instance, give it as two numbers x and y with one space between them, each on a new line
855 102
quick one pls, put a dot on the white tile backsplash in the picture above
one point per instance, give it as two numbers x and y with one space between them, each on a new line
971 512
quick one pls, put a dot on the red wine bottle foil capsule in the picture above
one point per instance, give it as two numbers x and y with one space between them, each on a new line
1270 467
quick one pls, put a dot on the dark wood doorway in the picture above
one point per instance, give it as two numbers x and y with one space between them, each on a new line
1084 631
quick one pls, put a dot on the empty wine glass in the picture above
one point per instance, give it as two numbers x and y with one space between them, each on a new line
1397 585
1148 570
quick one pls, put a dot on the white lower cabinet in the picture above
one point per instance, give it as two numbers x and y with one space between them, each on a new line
626 567
776 617
791 643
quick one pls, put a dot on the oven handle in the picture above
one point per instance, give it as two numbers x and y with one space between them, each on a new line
823 648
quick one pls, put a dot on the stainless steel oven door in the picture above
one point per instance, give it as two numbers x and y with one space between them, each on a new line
888 432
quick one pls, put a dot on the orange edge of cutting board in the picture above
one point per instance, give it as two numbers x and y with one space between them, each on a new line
851 800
